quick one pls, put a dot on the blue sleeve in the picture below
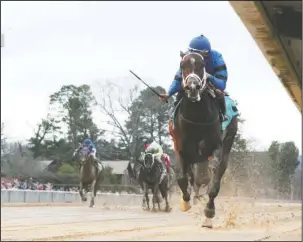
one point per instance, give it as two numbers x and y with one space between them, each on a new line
176 84
219 78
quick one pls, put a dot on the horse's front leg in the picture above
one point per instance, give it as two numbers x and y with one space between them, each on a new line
164 189
93 193
145 196
183 184
143 199
213 186
82 195
155 196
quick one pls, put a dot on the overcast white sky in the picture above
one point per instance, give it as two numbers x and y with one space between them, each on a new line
50 44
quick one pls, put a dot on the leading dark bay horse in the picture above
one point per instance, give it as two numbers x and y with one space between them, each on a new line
91 173
196 131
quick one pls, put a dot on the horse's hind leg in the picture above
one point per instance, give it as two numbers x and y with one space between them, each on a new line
213 187
218 167
93 193
183 184
197 183
164 192
201 177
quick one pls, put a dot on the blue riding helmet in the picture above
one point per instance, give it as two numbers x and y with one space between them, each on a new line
87 142
200 44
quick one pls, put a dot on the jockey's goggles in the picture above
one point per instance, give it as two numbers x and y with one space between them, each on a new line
204 53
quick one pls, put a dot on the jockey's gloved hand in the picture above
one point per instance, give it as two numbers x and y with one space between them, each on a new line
164 97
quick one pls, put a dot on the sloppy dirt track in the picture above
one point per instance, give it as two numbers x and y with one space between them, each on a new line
235 220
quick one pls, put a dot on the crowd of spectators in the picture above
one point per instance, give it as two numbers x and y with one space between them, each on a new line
24 184
31 184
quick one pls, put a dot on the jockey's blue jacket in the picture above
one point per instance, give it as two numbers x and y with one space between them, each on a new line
214 65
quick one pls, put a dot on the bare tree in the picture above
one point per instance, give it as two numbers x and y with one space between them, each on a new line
3 140
116 104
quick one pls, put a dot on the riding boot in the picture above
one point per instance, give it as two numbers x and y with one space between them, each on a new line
163 171
222 107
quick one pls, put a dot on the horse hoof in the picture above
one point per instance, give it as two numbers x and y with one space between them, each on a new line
168 209
207 223
84 199
184 206
209 212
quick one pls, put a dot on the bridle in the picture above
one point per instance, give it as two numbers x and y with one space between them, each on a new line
202 81
152 163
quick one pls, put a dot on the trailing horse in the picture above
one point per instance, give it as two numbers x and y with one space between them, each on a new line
136 173
151 175
196 131
148 174
91 173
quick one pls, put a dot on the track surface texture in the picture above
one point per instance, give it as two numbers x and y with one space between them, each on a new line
236 219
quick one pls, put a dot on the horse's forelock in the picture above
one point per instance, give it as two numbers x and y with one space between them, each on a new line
198 58
193 62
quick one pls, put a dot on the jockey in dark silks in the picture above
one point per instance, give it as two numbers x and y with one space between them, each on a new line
216 72
90 147
157 151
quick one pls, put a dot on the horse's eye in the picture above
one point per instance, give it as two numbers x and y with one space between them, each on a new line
186 87
198 86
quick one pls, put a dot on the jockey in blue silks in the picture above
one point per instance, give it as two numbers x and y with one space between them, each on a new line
216 72
90 147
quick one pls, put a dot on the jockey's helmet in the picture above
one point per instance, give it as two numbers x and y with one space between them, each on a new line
146 146
147 143
87 142
200 44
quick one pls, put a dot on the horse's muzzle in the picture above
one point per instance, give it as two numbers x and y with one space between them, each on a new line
195 98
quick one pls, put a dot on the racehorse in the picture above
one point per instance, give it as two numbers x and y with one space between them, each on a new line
91 173
137 174
148 174
200 174
151 177
196 130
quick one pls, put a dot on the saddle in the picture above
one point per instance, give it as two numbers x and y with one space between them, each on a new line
96 163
